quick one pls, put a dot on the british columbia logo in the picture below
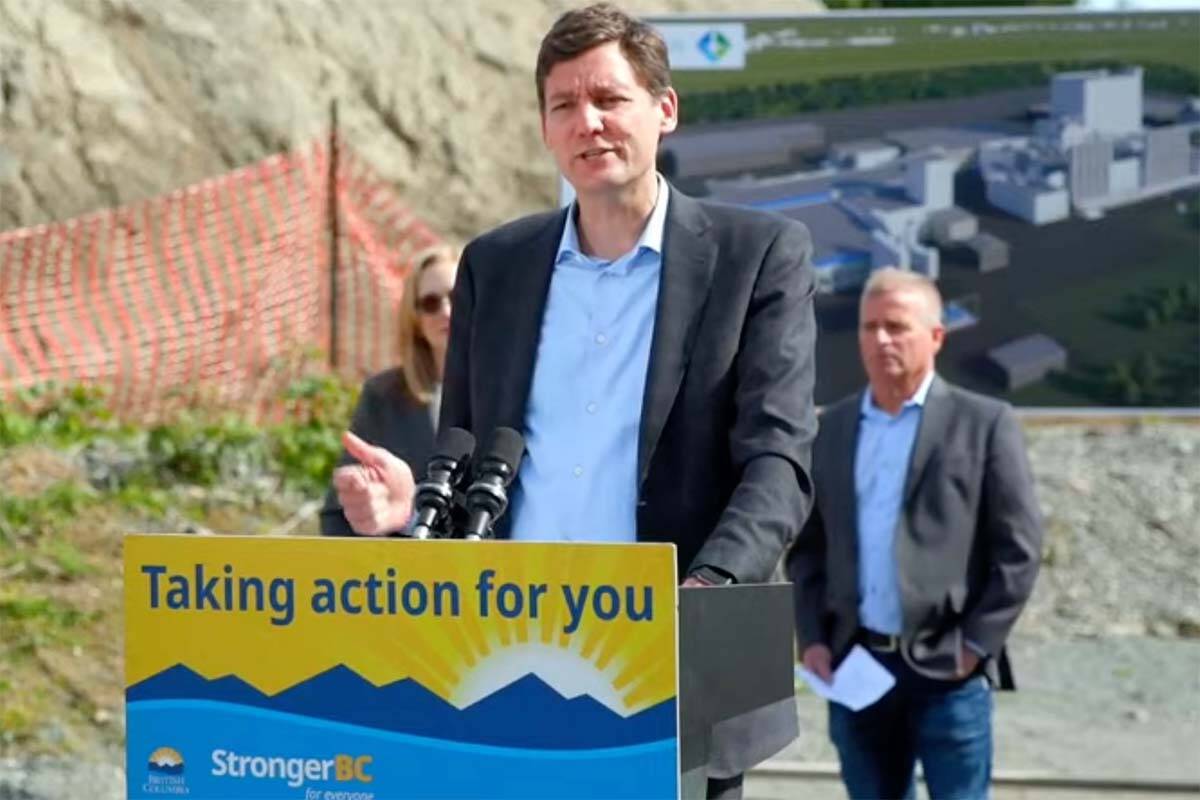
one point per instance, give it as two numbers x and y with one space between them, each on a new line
165 774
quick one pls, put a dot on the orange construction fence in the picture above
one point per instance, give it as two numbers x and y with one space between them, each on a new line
214 292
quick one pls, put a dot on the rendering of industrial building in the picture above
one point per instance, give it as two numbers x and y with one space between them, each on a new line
889 200
887 197
1091 153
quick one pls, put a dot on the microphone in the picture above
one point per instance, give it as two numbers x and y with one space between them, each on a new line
435 494
487 497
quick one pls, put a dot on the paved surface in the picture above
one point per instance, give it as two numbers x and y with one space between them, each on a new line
1122 709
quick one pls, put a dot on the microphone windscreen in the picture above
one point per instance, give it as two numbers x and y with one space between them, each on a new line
506 446
455 444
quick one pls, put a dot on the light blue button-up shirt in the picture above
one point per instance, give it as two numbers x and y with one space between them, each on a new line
885 445
578 480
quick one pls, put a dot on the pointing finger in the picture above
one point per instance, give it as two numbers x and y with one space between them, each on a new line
364 452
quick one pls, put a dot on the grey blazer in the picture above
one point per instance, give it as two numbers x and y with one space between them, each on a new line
388 417
727 416
968 544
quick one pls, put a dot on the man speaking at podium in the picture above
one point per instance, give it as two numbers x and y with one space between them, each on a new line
655 351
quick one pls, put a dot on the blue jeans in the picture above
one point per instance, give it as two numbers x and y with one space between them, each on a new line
945 724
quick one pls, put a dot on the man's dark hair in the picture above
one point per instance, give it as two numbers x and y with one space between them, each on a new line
578 31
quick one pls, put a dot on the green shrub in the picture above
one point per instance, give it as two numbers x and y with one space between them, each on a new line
134 466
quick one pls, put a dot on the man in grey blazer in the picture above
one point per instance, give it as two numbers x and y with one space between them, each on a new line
923 547
655 351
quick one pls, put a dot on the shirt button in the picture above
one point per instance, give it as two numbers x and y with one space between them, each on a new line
591 408
577 471
601 338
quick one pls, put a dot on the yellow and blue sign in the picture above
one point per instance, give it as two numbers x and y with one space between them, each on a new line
367 669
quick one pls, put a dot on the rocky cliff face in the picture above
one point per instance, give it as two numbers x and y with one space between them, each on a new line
104 102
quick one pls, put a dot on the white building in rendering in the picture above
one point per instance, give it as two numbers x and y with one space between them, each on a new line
1107 103
1091 154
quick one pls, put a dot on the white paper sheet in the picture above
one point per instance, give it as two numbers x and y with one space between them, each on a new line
858 681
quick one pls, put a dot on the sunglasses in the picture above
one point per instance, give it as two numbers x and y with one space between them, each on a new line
433 303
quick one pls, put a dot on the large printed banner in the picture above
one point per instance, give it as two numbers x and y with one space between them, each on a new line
362 669
1041 165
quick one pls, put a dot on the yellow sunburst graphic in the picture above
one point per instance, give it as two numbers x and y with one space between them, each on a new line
166 757
463 619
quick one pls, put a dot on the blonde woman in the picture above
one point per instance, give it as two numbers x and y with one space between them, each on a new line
398 408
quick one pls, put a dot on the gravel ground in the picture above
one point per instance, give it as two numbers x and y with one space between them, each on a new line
1126 708
1122 554
59 779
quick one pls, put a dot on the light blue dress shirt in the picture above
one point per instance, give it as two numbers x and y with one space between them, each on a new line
578 480
885 445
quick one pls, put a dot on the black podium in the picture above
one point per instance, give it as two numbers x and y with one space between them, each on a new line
736 657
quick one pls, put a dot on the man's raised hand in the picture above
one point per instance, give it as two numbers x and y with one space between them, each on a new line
376 493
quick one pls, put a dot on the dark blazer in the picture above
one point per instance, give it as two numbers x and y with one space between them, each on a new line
389 417
968 543
727 416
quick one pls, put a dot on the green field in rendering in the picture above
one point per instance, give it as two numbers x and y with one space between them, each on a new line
813 48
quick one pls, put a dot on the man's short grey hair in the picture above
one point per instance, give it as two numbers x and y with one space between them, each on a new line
892 279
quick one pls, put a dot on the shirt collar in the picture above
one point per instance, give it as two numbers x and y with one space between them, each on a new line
651 238
917 400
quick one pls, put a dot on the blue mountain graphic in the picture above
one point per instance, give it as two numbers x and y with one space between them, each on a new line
179 682
165 769
343 695
527 713
535 714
